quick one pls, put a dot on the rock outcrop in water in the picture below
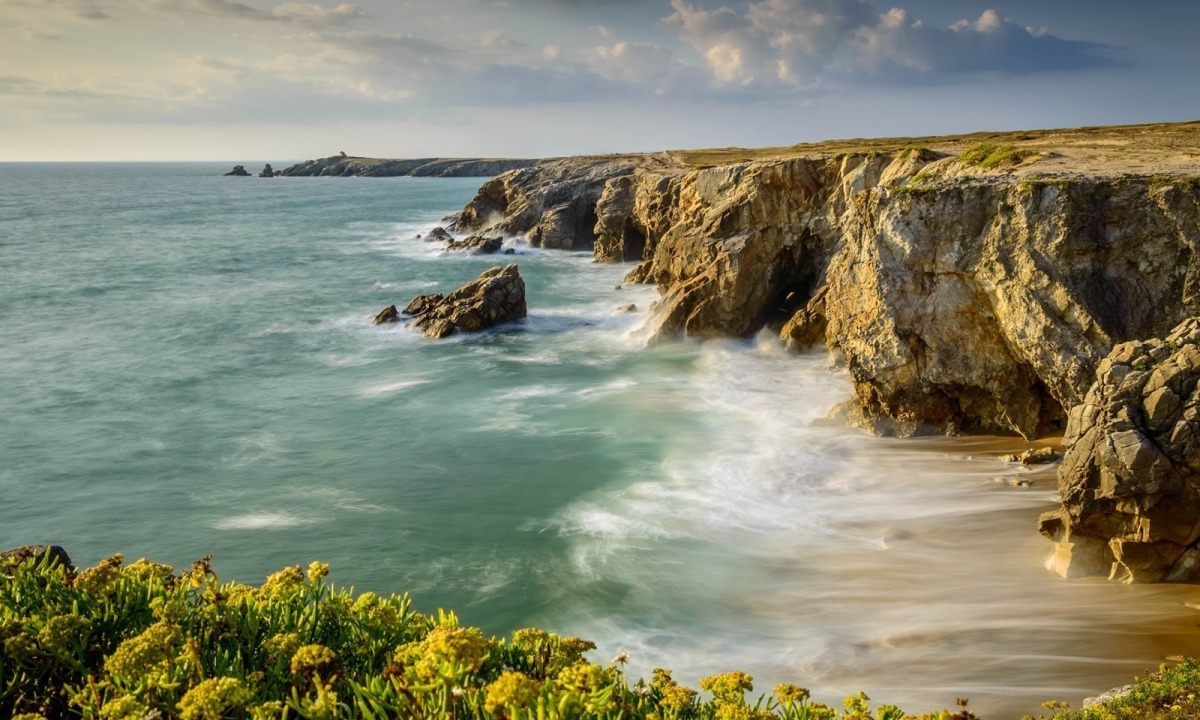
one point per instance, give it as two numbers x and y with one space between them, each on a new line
961 299
346 166
267 171
497 296
1130 479
238 171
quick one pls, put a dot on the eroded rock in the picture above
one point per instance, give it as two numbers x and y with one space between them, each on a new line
387 315
477 244
497 296
238 171
1130 476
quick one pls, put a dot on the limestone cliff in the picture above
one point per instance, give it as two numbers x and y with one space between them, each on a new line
961 298
1130 480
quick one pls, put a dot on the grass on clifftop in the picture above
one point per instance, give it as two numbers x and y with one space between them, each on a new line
990 156
139 641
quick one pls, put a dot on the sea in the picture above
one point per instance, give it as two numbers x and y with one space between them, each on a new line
188 366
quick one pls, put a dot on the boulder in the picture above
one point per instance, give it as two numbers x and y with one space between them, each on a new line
267 171
477 244
238 171
1130 476
55 553
387 315
438 234
497 296
1034 456
626 309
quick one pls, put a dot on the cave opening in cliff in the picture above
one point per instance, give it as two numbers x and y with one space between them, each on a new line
633 243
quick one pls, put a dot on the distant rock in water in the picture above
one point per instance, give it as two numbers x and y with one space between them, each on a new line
1036 456
238 171
438 234
497 296
477 244
1130 478
267 171
387 315
342 165
55 553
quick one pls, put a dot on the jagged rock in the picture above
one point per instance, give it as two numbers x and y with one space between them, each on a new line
438 234
959 299
497 296
238 171
1130 476
267 171
626 309
477 244
56 554
806 327
387 315
1033 456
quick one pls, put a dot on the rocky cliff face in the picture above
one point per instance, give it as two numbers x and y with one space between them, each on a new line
960 299
1130 479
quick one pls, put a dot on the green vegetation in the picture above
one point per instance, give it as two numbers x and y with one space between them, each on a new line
990 156
117 642
1173 693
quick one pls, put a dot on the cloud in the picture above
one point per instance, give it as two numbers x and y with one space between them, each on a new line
990 44
793 43
305 14
86 9
640 65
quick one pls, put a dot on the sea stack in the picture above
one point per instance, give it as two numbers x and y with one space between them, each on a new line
238 171
497 296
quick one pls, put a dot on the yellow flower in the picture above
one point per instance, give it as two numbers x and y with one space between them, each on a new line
786 693
282 646
677 697
312 659
733 711
317 571
583 678
126 707
29 716
211 699
147 655
272 710
282 582
59 630
144 569
97 580
512 689
464 649
661 678
728 685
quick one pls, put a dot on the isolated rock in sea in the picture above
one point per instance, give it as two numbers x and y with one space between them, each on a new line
1130 477
387 315
438 234
56 553
477 244
238 171
497 296
267 171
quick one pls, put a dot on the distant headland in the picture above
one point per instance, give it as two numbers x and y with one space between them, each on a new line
343 165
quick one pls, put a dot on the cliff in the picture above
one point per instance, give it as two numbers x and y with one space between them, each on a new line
970 283
346 166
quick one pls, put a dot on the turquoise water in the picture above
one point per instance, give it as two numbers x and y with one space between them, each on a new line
188 366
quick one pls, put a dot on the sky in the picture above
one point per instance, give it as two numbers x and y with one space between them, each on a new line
261 80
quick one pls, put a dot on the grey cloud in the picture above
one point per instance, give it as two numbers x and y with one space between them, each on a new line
990 44
793 43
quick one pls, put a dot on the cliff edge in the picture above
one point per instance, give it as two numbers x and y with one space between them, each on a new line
349 166
970 283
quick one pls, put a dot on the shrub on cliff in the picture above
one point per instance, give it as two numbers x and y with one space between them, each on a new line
138 641
990 156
